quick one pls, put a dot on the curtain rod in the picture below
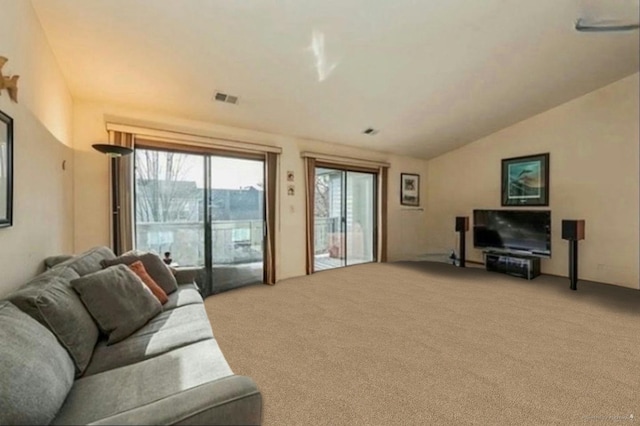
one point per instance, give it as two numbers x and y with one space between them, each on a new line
344 160
187 137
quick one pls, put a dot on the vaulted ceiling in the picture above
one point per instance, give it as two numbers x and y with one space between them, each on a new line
428 75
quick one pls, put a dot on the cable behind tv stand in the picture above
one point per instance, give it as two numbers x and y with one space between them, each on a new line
527 267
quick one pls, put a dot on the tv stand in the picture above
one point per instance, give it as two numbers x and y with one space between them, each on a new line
527 267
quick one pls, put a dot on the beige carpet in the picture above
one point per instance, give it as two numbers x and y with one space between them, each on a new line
428 343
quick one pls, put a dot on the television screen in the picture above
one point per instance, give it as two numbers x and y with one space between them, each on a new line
519 231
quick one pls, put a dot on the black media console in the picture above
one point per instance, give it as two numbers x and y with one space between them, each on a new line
527 267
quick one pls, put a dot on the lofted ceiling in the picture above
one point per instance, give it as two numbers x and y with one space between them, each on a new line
428 75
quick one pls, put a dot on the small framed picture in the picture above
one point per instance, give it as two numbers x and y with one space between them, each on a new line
525 181
290 176
409 189
291 190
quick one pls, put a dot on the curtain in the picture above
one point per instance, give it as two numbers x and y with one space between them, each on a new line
382 251
310 173
122 195
271 173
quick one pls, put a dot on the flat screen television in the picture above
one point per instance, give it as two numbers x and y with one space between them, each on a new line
525 232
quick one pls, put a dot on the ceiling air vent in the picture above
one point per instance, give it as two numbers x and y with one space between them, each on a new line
370 131
223 97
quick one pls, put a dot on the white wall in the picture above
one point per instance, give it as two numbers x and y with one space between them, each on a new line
43 192
593 143
407 233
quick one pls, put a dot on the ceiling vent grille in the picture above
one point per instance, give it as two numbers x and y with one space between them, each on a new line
223 97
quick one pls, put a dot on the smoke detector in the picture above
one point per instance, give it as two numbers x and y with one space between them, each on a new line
224 97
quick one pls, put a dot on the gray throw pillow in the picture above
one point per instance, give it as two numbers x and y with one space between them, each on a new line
118 300
69 320
51 301
155 267
36 373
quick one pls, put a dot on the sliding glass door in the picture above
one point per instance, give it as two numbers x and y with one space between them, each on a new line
202 211
344 218
237 221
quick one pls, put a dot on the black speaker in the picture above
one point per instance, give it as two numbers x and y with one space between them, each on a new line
462 226
462 223
572 230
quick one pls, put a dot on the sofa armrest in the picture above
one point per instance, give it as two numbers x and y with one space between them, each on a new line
233 400
186 275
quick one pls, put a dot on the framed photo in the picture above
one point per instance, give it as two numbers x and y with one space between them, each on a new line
6 170
525 181
409 189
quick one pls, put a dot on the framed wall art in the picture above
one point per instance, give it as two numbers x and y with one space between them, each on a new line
525 181
6 170
409 189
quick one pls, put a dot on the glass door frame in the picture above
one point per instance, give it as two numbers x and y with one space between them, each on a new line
344 169
206 154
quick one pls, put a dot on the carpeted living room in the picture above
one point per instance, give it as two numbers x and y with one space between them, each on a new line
354 212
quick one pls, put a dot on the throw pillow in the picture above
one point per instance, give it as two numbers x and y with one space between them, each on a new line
141 272
68 319
118 300
155 267
52 302
36 373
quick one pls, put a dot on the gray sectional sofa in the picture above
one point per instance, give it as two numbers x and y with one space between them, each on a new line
170 371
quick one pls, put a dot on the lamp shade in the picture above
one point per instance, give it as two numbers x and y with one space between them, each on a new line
112 150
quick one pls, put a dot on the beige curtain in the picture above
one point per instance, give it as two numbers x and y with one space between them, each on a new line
271 180
310 174
382 250
122 195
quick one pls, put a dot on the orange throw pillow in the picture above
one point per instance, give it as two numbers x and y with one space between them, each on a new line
138 268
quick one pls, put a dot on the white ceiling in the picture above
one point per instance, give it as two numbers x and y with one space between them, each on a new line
430 75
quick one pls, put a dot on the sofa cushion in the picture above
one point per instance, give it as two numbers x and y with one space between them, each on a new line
89 261
187 294
169 330
25 297
69 321
53 303
138 268
118 300
160 272
106 394
36 373
52 261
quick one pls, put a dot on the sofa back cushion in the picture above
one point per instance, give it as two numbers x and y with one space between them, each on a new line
154 266
36 373
89 261
52 302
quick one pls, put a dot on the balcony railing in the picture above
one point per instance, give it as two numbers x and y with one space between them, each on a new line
233 241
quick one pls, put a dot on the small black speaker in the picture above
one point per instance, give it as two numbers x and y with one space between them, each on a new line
572 230
462 223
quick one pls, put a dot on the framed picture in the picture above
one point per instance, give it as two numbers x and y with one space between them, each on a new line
6 170
525 181
409 189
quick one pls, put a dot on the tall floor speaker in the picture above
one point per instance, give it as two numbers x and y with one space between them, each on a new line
462 226
573 231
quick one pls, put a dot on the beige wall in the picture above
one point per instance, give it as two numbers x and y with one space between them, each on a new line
43 192
593 143
407 235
